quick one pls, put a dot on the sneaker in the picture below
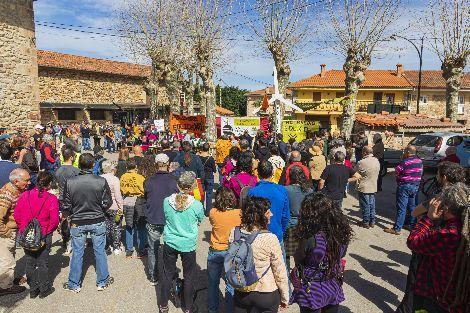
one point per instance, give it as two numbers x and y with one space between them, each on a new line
107 285
15 289
117 251
19 281
163 309
34 293
371 224
66 287
129 254
153 282
391 231
46 292
363 225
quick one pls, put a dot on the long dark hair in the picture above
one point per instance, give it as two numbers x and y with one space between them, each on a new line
297 176
44 181
245 163
224 199
147 166
187 153
318 214
254 214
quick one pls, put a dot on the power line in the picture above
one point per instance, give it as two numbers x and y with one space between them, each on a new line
246 77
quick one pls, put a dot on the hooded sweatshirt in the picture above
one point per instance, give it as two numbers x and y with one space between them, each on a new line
181 228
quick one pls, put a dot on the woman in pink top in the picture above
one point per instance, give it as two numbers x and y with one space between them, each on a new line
40 204
243 176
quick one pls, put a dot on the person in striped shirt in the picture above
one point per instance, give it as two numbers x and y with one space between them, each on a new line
408 176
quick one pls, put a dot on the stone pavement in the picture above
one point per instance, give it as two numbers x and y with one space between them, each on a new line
375 276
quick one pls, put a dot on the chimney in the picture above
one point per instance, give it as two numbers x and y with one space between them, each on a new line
400 70
323 70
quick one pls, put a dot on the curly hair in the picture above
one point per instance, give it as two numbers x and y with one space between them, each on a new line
147 166
224 199
318 214
453 172
245 163
297 176
254 214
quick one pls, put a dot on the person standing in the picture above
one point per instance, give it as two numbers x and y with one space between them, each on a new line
183 214
408 176
86 134
40 204
86 199
209 169
369 169
295 160
190 161
379 153
156 188
48 154
66 171
243 176
6 165
9 194
335 177
316 165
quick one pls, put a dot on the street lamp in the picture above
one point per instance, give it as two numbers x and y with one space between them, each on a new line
420 54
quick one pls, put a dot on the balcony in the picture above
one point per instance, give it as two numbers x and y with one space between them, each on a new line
361 106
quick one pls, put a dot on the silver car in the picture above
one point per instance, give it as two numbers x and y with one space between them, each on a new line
431 147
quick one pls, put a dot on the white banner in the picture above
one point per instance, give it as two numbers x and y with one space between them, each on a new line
238 125
159 125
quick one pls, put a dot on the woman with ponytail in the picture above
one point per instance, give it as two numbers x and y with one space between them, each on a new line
443 239
183 214
190 161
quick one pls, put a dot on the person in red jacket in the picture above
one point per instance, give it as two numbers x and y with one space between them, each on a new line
295 158
40 204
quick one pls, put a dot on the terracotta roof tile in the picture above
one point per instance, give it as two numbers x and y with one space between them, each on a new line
223 111
407 121
262 92
335 79
86 64
433 79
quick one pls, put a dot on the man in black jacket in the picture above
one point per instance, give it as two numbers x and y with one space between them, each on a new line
87 197
157 187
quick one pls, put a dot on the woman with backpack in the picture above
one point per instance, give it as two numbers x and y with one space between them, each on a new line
270 289
41 206
209 169
223 217
243 177
324 234
183 214
230 162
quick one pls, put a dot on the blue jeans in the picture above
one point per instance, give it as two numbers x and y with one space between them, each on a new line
406 200
137 234
367 205
209 189
111 146
98 237
86 142
215 271
154 234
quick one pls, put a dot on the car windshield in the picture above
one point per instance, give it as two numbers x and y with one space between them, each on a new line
425 141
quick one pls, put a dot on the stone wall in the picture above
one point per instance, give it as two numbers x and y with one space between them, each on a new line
19 93
68 86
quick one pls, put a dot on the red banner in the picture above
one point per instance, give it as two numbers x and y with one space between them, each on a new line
193 124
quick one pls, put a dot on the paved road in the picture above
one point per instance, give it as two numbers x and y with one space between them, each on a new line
375 276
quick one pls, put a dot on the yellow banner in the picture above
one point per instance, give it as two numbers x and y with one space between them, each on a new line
295 129
247 122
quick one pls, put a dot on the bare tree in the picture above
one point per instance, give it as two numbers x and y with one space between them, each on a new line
359 27
206 37
154 29
450 26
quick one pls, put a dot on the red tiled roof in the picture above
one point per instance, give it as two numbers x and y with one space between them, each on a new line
433 79
86 64
223 111
335 79
407 121
262 92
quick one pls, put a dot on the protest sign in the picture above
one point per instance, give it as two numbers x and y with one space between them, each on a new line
159 125
193 124
238 125
297 130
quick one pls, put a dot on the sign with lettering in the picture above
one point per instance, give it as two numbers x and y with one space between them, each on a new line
238 125
297 130
159 125
193 124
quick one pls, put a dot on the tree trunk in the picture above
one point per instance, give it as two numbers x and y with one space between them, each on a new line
208 100
452 72
151 89
283 74
354 69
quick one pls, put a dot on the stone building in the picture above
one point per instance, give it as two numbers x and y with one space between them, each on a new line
77 88
19 92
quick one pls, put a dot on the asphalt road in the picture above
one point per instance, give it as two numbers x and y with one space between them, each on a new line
375 276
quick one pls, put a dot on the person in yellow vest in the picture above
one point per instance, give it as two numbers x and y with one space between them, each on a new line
132 189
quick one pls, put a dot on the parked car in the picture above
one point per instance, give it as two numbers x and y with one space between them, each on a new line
463 152
431 147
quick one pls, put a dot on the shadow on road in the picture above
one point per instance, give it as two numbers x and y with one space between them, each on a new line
395 255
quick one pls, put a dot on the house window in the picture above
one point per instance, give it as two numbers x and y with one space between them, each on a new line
461 105
97 115
390 98
66 115
339 94
423 100
316 96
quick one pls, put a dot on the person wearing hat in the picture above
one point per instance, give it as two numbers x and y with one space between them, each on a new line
316 165
156 188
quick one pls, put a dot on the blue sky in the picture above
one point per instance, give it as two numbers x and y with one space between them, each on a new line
98 15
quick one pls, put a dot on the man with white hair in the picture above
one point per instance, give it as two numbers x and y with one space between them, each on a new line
9 194
48 154
157 187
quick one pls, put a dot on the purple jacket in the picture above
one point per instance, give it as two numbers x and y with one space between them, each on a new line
409 171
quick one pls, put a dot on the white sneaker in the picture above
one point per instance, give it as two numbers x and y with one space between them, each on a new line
69 249
117 251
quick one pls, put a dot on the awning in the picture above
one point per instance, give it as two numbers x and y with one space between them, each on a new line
51 105
130 106
102 106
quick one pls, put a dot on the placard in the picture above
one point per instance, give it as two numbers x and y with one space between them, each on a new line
193 124
238 125
159 125
297 129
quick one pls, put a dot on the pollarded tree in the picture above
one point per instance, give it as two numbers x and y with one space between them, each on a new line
450 26
359 27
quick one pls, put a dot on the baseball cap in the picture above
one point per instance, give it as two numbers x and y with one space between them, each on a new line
38 126
162 158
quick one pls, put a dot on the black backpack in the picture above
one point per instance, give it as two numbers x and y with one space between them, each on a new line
31 238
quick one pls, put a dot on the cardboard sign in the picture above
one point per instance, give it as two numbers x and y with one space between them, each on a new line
159 125
238 125
193 124
298 129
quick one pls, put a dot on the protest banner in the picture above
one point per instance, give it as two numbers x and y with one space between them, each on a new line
159 125
297 130
238 125
193 124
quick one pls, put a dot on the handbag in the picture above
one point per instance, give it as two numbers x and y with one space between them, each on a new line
31 238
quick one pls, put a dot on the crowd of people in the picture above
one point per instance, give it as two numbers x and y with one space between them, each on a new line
273 200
